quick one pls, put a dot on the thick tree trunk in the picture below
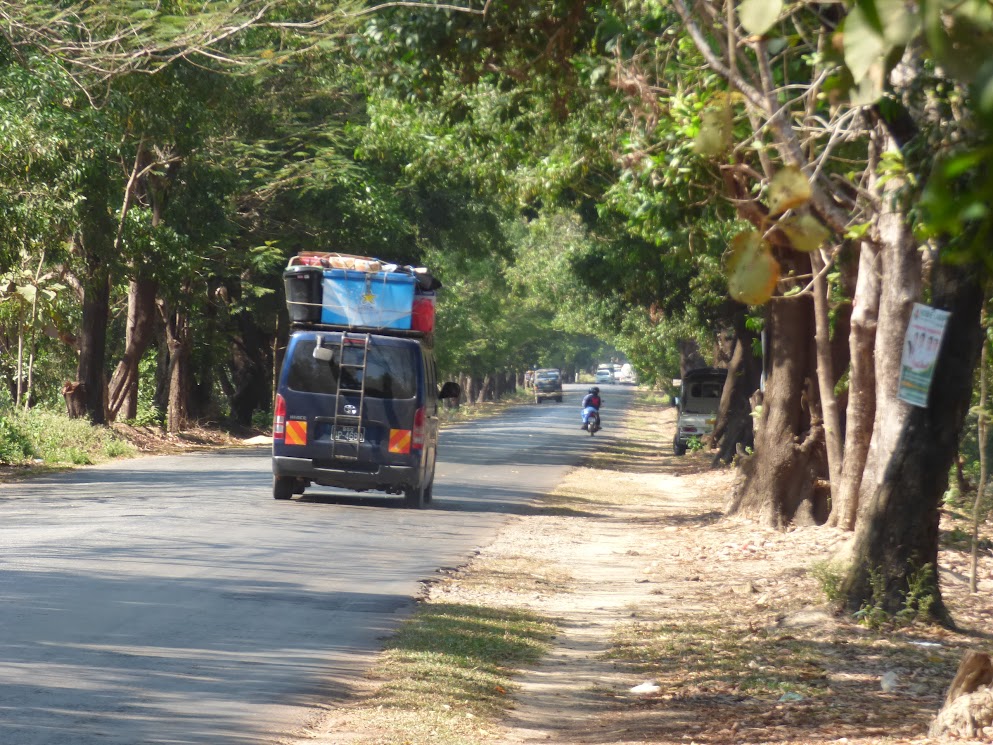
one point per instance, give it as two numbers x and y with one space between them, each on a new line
178 340
733 430
778 483
485 389
74 393
499 385
861 389
123 397
95 242
898 538
250 367
901 287
724 348
93 343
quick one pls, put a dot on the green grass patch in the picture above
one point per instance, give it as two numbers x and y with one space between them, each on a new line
55 439
450 666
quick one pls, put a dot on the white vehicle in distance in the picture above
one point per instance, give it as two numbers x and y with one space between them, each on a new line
604 375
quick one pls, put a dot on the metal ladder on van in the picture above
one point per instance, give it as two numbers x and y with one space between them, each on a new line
349 449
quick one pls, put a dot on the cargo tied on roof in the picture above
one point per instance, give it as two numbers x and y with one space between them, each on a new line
359 292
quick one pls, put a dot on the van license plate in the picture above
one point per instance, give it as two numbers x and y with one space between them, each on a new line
349 434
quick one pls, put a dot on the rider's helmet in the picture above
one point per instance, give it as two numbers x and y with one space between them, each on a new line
594 389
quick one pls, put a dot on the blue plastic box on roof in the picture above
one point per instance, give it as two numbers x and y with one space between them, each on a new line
374 300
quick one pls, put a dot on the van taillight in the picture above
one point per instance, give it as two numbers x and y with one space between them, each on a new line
417 436
279 419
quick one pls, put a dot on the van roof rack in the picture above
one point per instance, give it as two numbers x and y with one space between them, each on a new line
426 336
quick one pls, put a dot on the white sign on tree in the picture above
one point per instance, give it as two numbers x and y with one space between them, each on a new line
920 353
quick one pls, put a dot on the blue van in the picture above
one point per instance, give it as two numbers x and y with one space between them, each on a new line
359 411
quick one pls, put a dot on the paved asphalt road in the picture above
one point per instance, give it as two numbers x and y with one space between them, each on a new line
173 600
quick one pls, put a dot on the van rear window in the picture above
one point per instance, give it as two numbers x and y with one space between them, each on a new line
391 371
703 397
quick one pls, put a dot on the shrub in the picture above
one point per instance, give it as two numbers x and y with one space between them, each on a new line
15 446
262 420
55 438
829 576
114 448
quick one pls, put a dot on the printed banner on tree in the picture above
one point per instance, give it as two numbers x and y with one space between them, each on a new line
920 352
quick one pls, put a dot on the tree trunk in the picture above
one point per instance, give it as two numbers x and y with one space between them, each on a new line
689 356
93 343
861 389
968 707
74 393
161 396
20 362
901 287
123 397
825 373
724 348
733 430
485 389
249 370
499 387
898 537
777 484
95 241
178 340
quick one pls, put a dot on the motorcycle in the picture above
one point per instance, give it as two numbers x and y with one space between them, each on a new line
593 423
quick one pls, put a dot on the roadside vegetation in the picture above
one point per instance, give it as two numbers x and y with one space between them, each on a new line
40 438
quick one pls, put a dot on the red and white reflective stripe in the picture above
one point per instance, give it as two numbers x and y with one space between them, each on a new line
417 439
279 419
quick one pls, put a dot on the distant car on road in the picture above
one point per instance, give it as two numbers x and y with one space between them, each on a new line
547 384
604 376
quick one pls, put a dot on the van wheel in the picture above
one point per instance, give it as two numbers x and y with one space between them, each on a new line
414 497
558 399
537 400
678 448
282 488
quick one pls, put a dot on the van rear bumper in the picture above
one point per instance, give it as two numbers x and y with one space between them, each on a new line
380 478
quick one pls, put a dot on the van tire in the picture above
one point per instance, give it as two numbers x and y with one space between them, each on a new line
282 488
429 489
558 399
414 497
678 448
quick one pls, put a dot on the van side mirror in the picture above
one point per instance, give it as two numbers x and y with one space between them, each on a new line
675 400
451 390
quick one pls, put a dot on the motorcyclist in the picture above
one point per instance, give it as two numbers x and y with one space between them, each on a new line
591 404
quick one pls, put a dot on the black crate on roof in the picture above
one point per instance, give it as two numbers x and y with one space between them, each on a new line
304 293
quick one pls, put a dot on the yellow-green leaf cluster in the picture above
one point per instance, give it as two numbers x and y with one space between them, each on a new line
752 269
